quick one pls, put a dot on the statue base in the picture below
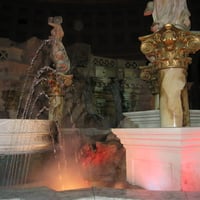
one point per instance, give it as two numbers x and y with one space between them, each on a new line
151 119
162 158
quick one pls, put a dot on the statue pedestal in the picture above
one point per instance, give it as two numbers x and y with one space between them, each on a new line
151 119
162 158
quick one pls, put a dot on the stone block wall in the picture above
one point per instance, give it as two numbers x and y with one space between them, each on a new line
103 88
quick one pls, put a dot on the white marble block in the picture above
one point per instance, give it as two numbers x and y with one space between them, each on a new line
162 158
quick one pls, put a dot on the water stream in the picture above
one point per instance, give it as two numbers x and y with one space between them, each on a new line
33 104
33 89
17 165
58 168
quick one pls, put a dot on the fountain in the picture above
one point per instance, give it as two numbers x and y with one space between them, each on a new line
162 148
29 140
21 142
168 148
37 150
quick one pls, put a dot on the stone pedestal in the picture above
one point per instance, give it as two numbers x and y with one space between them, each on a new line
162 158
151 119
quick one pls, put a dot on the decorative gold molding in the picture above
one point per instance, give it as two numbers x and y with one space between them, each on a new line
168 48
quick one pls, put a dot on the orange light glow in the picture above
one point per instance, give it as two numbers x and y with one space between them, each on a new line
59 174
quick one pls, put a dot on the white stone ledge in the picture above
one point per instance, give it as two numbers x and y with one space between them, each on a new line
151 119
162 158
19 136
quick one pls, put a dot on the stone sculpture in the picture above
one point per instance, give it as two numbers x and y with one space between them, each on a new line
60 79
168 12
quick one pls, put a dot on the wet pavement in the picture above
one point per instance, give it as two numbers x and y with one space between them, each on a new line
94 193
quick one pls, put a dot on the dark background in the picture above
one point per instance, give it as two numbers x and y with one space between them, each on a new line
111 27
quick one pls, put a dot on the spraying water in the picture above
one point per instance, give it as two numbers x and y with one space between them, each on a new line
41 98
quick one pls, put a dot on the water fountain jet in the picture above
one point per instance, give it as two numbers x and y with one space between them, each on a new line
34 132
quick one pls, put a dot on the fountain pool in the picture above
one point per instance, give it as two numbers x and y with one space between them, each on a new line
21 142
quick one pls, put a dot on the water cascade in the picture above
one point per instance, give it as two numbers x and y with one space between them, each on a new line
29 141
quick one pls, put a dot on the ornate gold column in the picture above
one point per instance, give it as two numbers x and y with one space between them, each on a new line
168 52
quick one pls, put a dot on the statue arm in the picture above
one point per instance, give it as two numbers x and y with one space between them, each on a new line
149 8
57 31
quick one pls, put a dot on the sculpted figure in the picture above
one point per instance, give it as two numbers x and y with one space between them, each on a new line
168 12
62 64
58 54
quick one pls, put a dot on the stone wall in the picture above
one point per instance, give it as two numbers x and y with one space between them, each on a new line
102 89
